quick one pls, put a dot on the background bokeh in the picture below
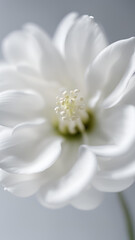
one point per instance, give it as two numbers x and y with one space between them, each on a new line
25 219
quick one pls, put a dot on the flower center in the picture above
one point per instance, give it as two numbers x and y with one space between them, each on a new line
73 116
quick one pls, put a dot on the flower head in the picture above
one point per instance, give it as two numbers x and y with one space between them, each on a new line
66 114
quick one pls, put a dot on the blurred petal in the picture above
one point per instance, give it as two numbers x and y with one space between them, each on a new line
64 189
62 31
5 134
88 199
28 71
20 46
109 184
19 184
51 63
120 173
111 71
12 78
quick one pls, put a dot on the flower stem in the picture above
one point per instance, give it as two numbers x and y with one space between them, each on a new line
127 214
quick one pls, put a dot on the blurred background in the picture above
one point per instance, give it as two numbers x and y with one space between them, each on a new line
25 219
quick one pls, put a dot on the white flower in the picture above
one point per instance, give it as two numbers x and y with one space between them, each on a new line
67 133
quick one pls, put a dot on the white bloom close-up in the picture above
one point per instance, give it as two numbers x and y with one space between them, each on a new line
67 115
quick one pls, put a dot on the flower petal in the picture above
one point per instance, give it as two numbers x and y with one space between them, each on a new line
128 97
119 163
120 128
19 105
12 78
19 184
51 63
123 172
20 47
64 189
22 133
29 152
88 199
5 134
109 184
10 98
83 43
62 31
111 72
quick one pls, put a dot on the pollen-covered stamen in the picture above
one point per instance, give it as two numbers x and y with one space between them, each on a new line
71 111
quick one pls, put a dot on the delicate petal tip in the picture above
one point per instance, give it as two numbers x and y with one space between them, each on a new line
62 31
83 43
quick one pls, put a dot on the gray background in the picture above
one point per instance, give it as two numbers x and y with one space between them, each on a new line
25 219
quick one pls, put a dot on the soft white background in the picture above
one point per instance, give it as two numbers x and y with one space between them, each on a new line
25 219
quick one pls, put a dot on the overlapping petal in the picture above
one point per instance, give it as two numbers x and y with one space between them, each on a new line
19 105
83 43
27 151
118 125
64 189
52 65
21 185
21 47
104 182
62 31
111 71
35 155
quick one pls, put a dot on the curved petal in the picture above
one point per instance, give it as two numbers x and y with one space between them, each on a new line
20 47
22 78
83 43
64 189
27 151
12 78
28 71
88 200
23 133
19 184
51 63
115 163
120 128
123 172
19 105
109 184
5 135
62 31
12 100
129 95
111 72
